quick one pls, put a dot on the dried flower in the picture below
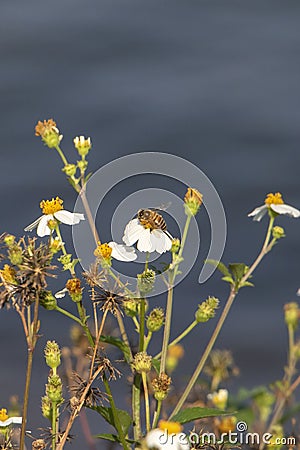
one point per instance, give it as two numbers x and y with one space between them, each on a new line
161 386
193 201
207 309
49 133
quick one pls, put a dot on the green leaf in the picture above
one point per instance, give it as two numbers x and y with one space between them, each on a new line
112 438
228 279
106 413
247 283
237 270
191 414
116 342
219 265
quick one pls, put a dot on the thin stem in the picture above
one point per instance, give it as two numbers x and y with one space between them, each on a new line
123 331
54 423
180 336
142 324
83 318
167 331
267 246
89 215
96 344
147 406
68 314
61 154
136 402
156 414
147 340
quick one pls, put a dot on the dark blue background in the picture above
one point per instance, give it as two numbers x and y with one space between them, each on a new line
215 82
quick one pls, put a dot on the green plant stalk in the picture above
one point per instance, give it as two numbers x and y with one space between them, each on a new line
117 422
147 340
83 319
68 314
180 336
31 347
61 154
123 331
168 318
142 325
54 423
147 406
267 246
136 405
156 414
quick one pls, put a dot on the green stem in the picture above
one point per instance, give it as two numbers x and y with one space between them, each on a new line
61 154
114 411
156 414
142 324
147 406
83 318
180 336
267 246
136 404
68 314
167 331
54 422
147 340
123 331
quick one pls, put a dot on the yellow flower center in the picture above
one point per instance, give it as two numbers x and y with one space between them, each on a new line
274 199
3 415
170 427
103 251
51 206
8 275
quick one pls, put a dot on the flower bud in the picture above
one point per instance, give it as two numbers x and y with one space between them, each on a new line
278 232
175 245
46 407
82 145
207 309
193 201
70 170
9 240
74 288
175 353
52 354
142 362
146 281
54 389
131 306
55 245
227 424
155 319
15 254
49 133
82 165
291 314
219 399
161 386
47 300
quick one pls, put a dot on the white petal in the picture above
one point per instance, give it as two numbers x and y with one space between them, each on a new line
43 229
68 217
258 213
160 241
144 243
160 440
122 252
133 231
298 292
33 225
286 209
61 294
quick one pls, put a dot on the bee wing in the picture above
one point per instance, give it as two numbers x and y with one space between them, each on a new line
162 207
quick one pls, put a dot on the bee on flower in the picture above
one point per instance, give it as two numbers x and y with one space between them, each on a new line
53 213
149 231
274 203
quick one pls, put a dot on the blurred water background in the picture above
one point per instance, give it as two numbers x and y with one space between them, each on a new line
212 81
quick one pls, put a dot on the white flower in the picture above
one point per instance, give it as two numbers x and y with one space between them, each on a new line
219 398
277 205
161 440
53 210
122 252
147 240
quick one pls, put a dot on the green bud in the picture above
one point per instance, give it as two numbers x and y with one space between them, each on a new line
278 232
192 201
82 165
70 170
131 307
52 354
146 281
155 319
83 145
291 314
9 240
142 362
46 407
175 245
207 309
54 389
15 254
47 300
264 401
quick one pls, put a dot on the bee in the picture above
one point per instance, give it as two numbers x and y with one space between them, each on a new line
150 218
